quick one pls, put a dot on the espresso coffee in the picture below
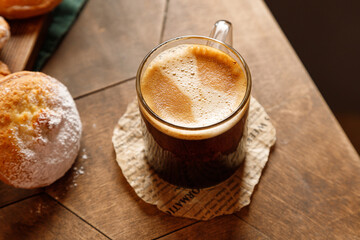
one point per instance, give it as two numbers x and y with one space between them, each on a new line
194 131
193 85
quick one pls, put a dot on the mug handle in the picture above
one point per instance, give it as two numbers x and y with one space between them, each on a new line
222 31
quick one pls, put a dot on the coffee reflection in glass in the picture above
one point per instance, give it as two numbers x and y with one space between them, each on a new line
194 95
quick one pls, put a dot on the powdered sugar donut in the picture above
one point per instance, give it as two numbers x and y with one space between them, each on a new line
40 130
4 32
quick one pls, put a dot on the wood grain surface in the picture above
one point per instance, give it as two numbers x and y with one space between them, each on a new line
107 43
231 228
308 190
10 194
43 218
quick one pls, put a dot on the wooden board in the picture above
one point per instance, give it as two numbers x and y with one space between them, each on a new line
26 38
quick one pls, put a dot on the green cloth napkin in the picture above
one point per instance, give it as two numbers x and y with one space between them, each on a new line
64 16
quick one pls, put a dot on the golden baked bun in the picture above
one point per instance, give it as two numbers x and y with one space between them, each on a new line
4 70
40 130
4 31
16 9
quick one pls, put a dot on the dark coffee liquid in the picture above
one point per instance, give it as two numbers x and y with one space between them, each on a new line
196 163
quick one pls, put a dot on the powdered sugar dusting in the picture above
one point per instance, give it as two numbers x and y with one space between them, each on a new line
79 170
51 151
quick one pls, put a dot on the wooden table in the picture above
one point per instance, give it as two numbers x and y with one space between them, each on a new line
310 188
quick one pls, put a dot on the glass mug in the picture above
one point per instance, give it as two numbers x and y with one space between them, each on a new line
196 157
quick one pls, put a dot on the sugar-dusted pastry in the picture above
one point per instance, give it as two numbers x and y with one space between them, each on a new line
40 130
16 9
4 31
4 70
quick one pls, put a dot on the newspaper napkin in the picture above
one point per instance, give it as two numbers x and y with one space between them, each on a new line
201 204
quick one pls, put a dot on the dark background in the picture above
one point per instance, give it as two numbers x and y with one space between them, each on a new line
326 37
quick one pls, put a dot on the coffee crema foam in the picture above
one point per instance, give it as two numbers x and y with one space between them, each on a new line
193 85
